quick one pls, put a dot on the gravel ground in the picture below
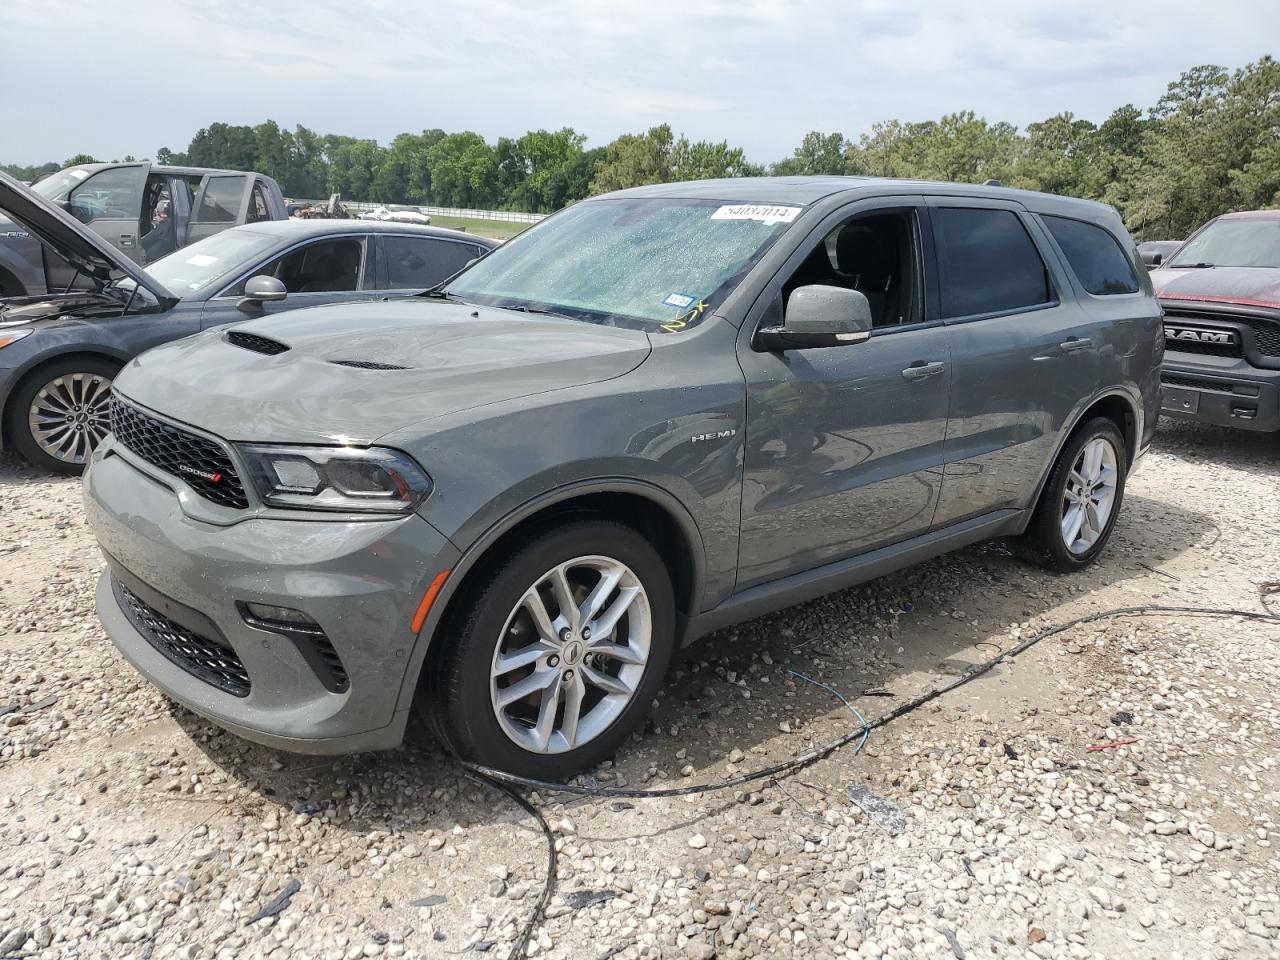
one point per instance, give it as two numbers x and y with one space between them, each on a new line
978 826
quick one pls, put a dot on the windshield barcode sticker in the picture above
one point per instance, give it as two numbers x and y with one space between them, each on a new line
756 211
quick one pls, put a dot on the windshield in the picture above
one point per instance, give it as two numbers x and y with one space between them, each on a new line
193 268
650 264
56 186
1233 243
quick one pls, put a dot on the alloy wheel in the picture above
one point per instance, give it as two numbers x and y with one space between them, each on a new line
1090 496
68 416
571 654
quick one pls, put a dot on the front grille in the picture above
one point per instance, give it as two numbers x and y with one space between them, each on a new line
251 341
1204 349
204 658
368 365
202 464
1266 332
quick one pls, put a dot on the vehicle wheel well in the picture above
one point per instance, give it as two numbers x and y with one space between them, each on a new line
10 285
645 516
36 371
1120 412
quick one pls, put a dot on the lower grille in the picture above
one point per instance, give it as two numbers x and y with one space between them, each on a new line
202 657
1194 383
202 464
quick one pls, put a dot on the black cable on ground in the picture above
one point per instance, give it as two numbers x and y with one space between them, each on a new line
507 781
548 886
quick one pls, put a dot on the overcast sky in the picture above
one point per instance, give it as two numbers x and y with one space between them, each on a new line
116 77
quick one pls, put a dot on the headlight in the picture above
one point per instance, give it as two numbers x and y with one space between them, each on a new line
14 337
347 479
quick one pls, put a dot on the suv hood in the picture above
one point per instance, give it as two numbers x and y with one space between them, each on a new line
1245 286
71 240
453 357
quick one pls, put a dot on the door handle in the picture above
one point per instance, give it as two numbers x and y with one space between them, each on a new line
127 239
921 370
1076 344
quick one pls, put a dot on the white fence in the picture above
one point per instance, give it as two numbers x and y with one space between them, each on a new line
459 212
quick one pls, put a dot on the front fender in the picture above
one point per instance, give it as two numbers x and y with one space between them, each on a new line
472 555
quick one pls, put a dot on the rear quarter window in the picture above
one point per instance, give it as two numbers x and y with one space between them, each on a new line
1095 256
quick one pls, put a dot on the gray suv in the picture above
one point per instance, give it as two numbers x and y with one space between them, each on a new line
658 412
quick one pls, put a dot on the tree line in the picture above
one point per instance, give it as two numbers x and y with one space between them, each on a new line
1210 144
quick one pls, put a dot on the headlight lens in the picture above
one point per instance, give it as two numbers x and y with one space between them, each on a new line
346 479
13 337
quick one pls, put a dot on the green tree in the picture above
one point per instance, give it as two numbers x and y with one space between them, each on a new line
818 154
531 168
635 159
79 160
353 165
464 171
656 156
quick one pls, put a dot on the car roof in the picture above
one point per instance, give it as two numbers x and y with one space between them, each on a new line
298 228
1252 215
807 190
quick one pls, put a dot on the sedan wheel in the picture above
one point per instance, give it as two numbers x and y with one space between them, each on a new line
68 416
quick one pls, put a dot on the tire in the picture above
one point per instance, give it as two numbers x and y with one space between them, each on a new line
1045 540
44 395
465 683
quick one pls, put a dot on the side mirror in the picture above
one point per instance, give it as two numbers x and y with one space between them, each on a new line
819 316
1152 258
259 290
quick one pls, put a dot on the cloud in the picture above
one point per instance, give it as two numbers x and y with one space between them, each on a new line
126 76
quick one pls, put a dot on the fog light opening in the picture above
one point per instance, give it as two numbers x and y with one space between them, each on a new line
284 616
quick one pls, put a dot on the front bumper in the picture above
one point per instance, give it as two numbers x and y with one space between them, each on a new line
360 581
1220 390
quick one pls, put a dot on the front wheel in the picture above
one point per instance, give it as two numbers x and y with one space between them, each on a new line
59 415
554 659
1081 500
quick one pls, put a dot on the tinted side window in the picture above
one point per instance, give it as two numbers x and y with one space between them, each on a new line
111 194
221 202
1094 255
327 266
987 262
416 263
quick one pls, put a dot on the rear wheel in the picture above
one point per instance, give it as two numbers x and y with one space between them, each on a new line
59 415
554 659
1081 500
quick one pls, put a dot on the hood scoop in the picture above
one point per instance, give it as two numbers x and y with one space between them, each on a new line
368 365
256 343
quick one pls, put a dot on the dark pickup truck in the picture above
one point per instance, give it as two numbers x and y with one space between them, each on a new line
1220 292
143 210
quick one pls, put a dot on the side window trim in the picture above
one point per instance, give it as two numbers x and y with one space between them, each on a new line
864 206
1055 269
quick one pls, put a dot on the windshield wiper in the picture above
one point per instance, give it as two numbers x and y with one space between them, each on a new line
437 293
540 311
1193 266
